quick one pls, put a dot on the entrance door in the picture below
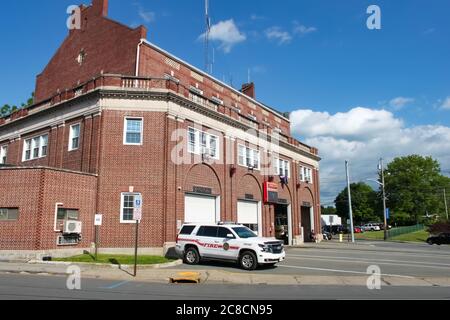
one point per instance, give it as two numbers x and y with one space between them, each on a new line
248 213
282 223
306 223
200 209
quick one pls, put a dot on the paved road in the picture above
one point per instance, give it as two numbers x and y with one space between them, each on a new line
397 259
26 287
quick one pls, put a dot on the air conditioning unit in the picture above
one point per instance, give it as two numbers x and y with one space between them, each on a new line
252 117
72 227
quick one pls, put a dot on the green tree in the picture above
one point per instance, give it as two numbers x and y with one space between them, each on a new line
414 189
364 203
328 210
6 110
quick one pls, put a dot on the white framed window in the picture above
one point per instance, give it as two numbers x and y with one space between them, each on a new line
282 168
248 157
74 137
35 148
306 175
133 129
127 201
3 154
200 142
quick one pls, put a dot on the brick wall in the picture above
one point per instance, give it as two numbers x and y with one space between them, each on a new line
110 47
35 192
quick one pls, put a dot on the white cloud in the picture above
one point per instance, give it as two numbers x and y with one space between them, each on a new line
362 136
446 104
279 35
147 16
303 30
399 102
227 33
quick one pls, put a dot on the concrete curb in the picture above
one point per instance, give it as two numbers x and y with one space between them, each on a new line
113 266
159 274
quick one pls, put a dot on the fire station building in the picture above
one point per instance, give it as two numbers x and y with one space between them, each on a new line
117 121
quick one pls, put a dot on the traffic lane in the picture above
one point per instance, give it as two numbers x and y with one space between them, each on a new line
24 287
372 255
343 262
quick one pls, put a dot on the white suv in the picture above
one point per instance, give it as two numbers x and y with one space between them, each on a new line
371 227
230 242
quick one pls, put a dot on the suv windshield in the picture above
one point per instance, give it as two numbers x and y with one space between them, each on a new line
244 232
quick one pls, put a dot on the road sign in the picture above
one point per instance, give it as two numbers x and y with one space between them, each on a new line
98 220
137 212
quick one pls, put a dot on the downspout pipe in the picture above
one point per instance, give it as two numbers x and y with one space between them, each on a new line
138 56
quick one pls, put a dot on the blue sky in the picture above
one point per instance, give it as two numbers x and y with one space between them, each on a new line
314 58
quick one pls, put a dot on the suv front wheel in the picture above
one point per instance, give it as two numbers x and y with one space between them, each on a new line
191 256
248 261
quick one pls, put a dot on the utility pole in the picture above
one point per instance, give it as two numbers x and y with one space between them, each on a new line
445 202
384 200
350 210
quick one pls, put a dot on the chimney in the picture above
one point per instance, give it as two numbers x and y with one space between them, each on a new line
100 7
249 90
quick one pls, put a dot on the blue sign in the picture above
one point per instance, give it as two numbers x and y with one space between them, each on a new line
388 212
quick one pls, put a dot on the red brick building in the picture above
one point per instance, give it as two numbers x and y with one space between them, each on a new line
117 119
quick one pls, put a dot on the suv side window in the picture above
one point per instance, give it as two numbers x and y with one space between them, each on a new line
187 230
223 232
207 232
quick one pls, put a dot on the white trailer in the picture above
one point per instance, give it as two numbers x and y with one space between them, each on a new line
332 219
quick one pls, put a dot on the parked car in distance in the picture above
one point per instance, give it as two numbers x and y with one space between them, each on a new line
227 242
371 227
442 238
359 230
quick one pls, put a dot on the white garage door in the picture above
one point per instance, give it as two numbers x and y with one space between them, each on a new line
248 212
200 209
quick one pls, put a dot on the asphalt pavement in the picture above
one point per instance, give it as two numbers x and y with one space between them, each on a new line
24 287
336 259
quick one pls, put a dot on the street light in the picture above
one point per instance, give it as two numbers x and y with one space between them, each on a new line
382 184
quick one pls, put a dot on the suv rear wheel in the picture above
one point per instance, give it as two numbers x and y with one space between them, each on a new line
248 261
191 256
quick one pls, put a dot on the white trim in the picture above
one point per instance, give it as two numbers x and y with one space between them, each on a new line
211 78
288 167
40 156
3 154
198 142
252 159
122 197
126 118
71 137
305 173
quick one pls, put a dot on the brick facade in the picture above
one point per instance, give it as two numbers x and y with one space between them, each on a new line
93 177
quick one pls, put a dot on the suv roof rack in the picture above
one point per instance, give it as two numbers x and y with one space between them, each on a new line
222 223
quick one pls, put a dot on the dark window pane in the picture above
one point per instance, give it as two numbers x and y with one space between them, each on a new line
61 214
13 214
187 230
210 232
223 232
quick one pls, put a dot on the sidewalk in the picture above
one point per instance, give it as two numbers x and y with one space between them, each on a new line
213 276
